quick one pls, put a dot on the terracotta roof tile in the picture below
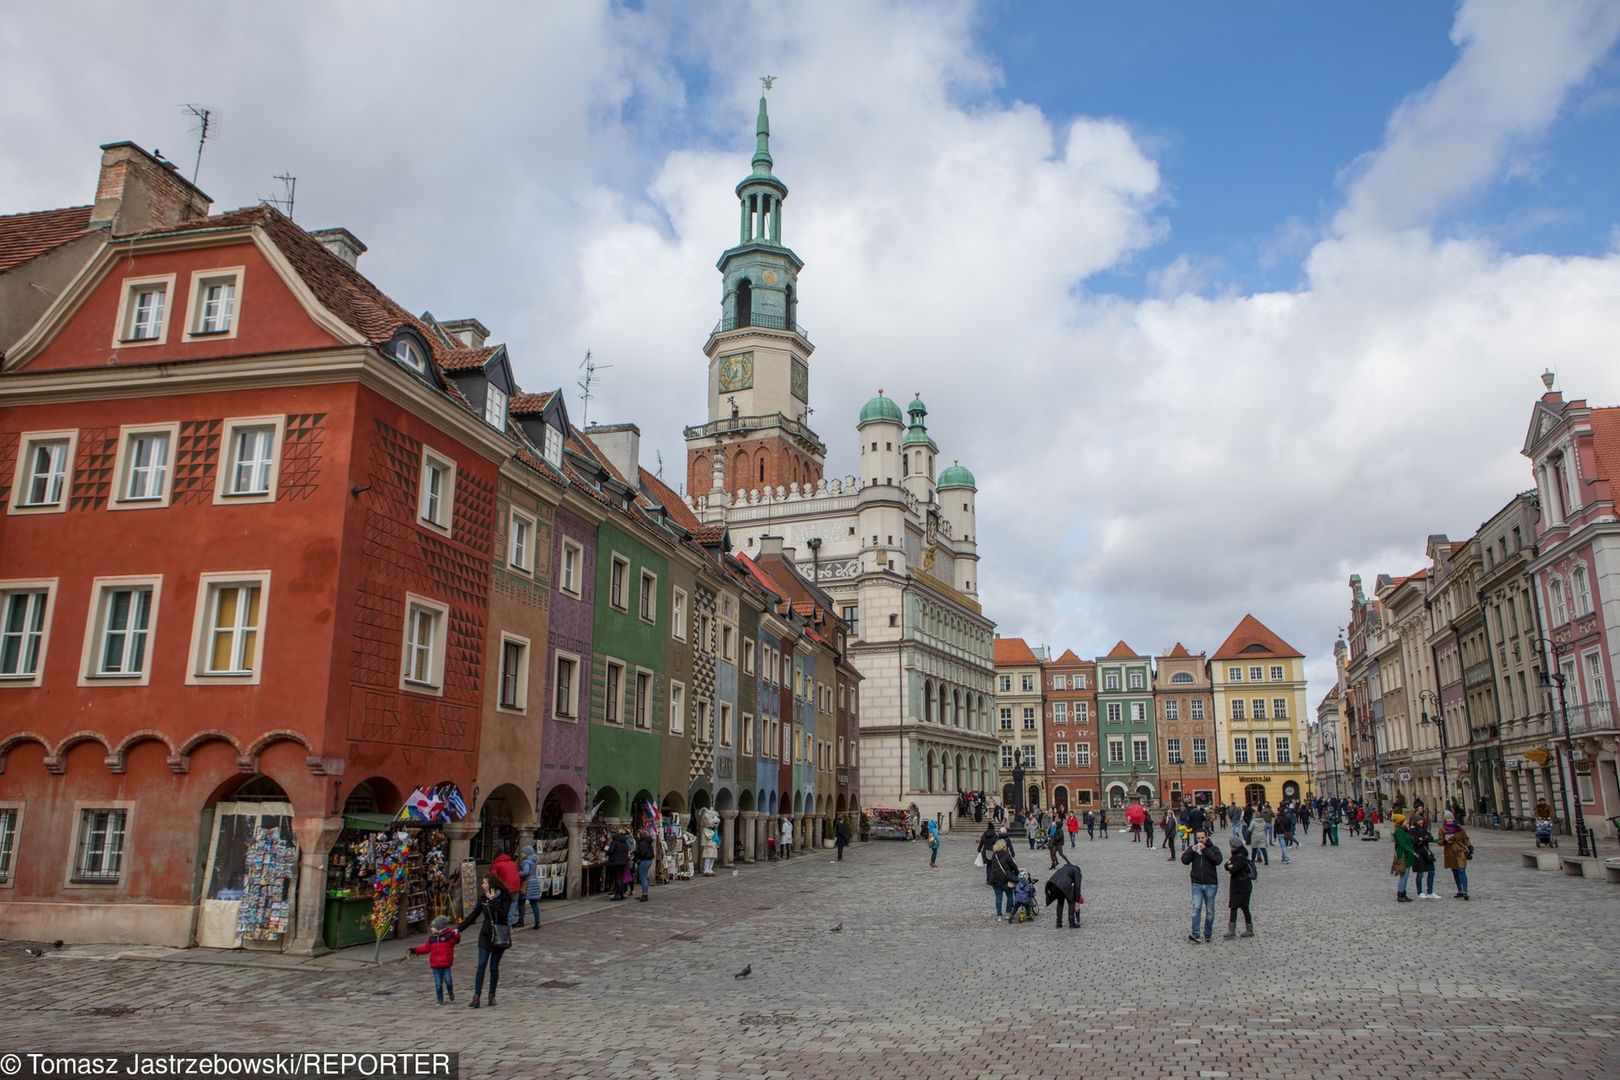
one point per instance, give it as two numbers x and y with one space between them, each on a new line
673 504
1251 637
1121 651
25 236
1068 657
530 404
466 359
596 452
1180 652
1606 442
1014 650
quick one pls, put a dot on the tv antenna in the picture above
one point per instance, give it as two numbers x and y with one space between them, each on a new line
590 367
289 191
204 129
660 473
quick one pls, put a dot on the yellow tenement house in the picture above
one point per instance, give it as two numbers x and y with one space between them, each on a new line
1258 681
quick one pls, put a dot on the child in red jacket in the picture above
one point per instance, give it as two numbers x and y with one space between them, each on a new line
441 954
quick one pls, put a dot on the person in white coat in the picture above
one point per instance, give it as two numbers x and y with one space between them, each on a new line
785 838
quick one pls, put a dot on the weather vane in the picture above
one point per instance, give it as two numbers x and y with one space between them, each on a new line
767 80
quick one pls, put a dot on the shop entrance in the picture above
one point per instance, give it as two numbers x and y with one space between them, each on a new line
1254 794
250 880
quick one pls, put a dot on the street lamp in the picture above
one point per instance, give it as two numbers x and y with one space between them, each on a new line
1328 748
1438 720
1558 678
1305 759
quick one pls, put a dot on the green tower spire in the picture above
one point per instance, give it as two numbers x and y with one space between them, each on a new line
762 133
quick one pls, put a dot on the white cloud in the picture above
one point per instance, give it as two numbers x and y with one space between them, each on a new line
1149 469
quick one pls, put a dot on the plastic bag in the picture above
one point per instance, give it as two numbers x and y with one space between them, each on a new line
978 860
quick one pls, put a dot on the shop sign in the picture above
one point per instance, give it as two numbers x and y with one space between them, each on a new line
1254 779
1511 763
1578 754
1404 775
1536 754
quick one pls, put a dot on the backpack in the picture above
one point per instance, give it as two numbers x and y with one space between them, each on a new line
1253 873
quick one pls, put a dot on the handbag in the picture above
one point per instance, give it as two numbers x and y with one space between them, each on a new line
501 937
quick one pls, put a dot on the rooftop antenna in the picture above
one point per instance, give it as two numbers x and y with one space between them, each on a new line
204 128
591 367
660 473
289 191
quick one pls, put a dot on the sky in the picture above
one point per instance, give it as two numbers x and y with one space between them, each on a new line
1220 303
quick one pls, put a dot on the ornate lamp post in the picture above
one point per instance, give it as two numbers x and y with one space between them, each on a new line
1553 675
1438 720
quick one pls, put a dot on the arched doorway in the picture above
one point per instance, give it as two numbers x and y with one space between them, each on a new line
251 860
1060 798
1116 796
1034 797
559 800
1007 791
498 824
1144 794
960 777
609 803
1254 794
932 763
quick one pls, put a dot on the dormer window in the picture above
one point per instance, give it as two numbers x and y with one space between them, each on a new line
495 407
409 353
144 316
213 303
554 446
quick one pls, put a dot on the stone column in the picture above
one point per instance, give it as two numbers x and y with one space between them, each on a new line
728 837
575 824
315 836
748 818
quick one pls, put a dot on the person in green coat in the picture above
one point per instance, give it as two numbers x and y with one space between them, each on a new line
1406 857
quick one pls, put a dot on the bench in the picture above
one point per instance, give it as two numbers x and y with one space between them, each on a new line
1584 866
1540 860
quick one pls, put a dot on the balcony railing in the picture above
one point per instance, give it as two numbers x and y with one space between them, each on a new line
760 319
1589 719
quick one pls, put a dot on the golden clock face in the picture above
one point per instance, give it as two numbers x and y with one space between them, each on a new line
736 372
770 277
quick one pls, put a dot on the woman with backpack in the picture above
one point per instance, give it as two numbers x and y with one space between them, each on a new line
1240 891
1421 841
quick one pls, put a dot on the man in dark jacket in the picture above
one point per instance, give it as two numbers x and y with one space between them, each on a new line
1064 887
1205 859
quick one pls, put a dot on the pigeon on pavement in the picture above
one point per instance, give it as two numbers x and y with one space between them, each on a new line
31 951
839 929
744 973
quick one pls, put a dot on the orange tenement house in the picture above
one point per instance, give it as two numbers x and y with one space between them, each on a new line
247 510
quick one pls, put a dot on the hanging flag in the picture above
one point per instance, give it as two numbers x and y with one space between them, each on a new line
424 806
405 808
455 807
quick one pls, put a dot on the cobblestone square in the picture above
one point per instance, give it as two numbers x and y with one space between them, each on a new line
923 981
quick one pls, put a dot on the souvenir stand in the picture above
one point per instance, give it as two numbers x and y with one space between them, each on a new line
551 851
890 823
677 849
593 858
272 866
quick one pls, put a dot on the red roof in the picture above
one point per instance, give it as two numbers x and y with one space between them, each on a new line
24 236
466 359
530 404
1068 657
673 504
1180 652
1121 651
1252 637
1606 442
764 579
1014 650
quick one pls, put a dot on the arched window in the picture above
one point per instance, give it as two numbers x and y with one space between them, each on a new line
792 304
762 468
1181 677
745 303
928 700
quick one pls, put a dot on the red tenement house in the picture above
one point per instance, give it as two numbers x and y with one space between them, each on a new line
248 517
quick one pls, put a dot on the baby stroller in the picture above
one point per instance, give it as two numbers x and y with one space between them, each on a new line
1041 840
1544 833
1025 906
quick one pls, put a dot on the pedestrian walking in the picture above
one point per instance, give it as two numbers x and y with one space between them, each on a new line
644 860
441 953
1240 892
618 859
1285 830
1147 826
1234 835
494 936
1074 829
931 835
1458 850
1269 819
840 838
1205 860
528 889
1091 825
1054 843
1003 876
1063 887
987 842
1102 823
784 841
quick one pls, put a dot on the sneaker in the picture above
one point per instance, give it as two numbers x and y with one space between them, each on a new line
1208 939
1194 938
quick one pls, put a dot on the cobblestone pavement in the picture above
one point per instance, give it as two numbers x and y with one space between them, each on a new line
1524 980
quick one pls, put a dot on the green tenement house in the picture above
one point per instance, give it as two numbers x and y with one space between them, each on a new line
1125 726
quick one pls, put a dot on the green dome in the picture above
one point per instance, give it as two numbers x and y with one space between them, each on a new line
916 436
957 477
917 405
881 408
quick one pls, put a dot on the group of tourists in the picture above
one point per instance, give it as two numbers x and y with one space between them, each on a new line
1414 853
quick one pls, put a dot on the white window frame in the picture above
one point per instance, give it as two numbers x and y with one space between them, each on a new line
1282 746
434 683
1200 750
1116 714
552 450
1028 718
443 519
728 642
1140 753
23 478
1060 682
521 561
1004 718
9 834
225 476
748 656
1138 712
30 585
1240 750
119 498
522 703
1596 685
1060 712
647 597
408 353
1262 750
1026 683
677 614
1082 712
677 708
1006 756
641 704
725 723
572 715
1172 751
1082 754
1258 709
496 402
1116 750
1137 681
1006 684
1256 673
90 673
748 740
1580 587
613 703
76 875
1060 756
563 574
201 281
1234 674
1197 709
1172 709
1110 680
124 326
1279 708
1237 709
622 603
1276 673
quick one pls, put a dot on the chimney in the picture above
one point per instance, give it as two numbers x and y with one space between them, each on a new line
342 243
469 332
770 545
622 445
137 191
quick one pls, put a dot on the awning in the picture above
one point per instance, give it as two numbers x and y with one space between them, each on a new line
368 822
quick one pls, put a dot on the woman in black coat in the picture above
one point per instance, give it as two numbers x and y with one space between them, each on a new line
1003 875
493 908
618 857
987 841
1239 891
